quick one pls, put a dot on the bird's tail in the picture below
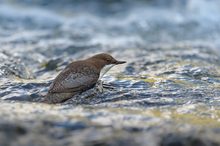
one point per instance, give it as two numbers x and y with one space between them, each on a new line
53 98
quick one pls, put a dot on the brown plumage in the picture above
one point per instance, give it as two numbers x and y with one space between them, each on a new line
78 77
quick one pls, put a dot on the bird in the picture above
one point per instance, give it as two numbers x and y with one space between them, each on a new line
79 76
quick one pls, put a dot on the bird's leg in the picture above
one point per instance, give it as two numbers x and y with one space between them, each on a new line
99 86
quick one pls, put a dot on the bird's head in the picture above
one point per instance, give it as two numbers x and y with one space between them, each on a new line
104 62
106 59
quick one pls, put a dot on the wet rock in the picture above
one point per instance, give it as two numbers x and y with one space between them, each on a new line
12 129
140 85
52 64
12 66
173 139
167 93
67 125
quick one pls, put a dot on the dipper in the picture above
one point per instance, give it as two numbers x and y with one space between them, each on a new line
79 76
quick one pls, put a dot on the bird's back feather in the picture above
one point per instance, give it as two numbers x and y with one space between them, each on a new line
76 77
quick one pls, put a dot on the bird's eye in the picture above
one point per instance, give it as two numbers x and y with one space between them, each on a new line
108 60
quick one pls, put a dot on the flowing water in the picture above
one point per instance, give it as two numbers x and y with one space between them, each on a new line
168 92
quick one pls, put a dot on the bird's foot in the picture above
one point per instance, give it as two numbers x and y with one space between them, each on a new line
108 86
100 86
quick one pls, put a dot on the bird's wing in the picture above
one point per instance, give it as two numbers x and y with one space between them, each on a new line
74 80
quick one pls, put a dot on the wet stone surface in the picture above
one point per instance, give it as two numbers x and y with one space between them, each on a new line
168 92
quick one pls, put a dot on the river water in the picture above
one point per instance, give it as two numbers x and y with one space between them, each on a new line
168 92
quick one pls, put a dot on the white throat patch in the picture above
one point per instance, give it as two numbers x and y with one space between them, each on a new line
105 70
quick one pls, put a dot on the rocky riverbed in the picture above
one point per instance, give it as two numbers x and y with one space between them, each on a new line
168 93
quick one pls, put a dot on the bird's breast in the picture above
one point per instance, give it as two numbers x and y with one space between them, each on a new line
105 69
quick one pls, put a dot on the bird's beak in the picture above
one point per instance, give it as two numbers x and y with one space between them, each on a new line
120 62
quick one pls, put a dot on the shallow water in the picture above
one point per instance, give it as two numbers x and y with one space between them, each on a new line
167 93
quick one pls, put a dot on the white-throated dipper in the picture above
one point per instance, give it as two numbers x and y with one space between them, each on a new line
78 77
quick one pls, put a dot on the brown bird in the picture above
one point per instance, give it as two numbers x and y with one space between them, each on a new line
79 76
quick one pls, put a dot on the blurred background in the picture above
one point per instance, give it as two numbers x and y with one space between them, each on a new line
167 94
